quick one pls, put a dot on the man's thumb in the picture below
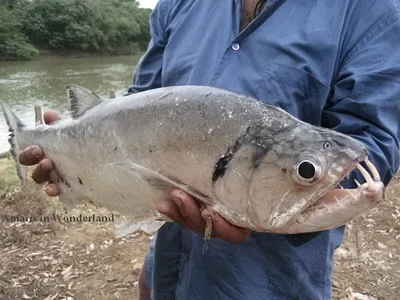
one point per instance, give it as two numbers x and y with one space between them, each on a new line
50 117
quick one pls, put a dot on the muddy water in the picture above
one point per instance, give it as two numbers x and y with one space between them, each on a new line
26 84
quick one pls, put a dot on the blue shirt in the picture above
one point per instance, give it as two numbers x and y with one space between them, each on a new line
330 63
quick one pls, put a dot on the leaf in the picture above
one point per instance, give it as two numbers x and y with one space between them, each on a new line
66 271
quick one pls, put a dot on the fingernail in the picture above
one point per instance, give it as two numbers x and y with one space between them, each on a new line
36 151
177 201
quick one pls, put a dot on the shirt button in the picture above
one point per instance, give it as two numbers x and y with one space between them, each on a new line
235 46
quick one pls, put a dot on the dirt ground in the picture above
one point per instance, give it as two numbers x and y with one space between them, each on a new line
44 258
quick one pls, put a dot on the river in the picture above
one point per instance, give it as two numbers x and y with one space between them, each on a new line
42 82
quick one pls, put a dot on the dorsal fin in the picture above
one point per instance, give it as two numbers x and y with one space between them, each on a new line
81 99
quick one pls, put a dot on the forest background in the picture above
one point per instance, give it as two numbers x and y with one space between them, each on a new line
29 28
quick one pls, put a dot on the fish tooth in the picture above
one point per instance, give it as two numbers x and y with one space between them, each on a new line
326 207
337 200
366 175
358 184
350 193
373 169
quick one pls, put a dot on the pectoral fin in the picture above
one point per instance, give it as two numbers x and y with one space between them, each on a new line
159 181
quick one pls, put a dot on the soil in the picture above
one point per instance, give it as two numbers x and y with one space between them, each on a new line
44 258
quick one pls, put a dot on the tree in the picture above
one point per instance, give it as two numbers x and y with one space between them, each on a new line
86 25
13 45
101 26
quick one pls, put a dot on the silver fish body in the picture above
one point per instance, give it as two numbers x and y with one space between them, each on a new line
255 164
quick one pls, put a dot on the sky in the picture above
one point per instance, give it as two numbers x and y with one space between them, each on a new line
148 3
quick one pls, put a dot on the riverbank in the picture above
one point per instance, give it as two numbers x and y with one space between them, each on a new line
44 54
83 260
48 53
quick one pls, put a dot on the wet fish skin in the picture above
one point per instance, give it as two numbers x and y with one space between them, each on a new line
234 154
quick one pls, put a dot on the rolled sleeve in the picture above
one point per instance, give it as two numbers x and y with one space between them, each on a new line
148 71
366 95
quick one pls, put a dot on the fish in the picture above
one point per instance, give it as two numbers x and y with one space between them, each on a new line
255 164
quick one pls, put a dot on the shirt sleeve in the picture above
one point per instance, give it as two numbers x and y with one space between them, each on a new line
365 102
148 71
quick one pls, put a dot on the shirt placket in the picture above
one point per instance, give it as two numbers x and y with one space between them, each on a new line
240 37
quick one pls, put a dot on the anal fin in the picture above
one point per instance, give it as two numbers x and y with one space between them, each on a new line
126 227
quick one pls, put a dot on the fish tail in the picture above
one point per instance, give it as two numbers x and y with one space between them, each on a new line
15 128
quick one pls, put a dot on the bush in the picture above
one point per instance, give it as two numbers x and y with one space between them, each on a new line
93 26
87 25
13 45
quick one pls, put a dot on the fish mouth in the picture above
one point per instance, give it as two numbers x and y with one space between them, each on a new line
333 200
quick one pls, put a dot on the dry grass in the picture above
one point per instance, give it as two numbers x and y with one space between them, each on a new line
58 260
368 261
45 259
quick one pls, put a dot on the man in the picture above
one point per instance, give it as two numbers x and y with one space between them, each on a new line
330 63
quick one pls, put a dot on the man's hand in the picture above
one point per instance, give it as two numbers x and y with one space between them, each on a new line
184 210
45 168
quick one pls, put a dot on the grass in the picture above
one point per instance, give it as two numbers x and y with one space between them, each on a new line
8 175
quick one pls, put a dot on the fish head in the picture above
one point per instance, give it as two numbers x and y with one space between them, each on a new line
273 178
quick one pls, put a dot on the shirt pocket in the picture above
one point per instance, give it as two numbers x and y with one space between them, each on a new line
294 90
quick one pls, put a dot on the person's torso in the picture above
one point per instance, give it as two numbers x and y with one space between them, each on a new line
288 57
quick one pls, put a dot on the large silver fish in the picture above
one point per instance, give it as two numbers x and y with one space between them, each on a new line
254 164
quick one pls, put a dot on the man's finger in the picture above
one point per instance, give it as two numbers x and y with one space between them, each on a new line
42 172
52 190
31 155
189 209
170 209
225 230
50 117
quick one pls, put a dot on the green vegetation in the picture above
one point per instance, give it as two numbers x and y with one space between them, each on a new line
83 26
8 175
13 44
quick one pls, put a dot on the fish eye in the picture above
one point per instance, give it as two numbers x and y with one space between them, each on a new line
306 170
327 145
